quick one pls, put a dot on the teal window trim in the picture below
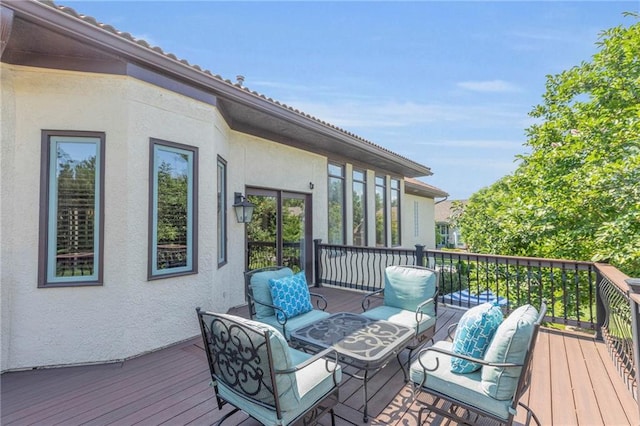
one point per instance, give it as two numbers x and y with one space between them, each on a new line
191 264
49 204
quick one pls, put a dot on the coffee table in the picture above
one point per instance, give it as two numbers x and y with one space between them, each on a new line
361 342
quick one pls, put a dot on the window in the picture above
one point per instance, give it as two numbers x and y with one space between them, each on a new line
381 211
173 206
336 204
71 209
222 211
442 235
359 208
416 219
395 212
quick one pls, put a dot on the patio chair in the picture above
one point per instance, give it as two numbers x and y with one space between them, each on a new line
410 298
494 390
263 308
254 370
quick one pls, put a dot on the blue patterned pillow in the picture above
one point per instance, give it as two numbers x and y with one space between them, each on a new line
473 335
291 294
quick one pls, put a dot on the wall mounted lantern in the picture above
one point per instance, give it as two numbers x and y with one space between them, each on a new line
243 208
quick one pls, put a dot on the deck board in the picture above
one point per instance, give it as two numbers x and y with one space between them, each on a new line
573 383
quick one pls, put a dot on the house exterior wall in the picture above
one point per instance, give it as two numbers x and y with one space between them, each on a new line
128 314
421 231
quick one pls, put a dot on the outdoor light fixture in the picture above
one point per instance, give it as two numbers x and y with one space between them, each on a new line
243 208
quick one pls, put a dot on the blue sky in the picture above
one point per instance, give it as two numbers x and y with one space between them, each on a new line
446 84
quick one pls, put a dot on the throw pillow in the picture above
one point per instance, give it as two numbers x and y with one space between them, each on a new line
262 292
473 335
510 344
291 294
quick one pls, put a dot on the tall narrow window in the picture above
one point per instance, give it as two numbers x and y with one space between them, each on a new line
395 212
336 204
222 211
359 208
381 211
71 209
173 206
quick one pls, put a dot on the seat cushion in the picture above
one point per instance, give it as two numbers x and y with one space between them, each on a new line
262 292
406 287
465 388
510 344
296 322
473 335
402 317
291 294
313 383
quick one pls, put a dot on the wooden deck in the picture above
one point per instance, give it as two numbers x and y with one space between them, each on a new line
574 383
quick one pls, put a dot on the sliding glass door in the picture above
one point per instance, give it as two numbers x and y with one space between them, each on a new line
280 231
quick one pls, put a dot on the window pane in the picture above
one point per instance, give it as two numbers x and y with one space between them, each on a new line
336 210
381 212
173 211
359 209
73 220
395 212
222 211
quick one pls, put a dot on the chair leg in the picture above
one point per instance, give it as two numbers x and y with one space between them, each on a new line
226 416
333 417
530 414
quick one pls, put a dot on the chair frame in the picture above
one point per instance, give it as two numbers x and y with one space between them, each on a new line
420 338
268 383
320 301
524 381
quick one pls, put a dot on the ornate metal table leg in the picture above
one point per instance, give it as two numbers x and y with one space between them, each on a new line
365 417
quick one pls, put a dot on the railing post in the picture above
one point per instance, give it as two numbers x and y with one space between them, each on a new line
601 313
419 255
634 301
316 262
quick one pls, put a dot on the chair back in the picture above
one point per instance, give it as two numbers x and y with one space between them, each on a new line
525 375
256 286
406 286
243 358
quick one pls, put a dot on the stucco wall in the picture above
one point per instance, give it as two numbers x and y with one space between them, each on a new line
424 231
128 315
262 163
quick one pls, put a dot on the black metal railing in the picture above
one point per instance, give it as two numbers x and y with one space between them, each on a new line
617 323
264 253
587 295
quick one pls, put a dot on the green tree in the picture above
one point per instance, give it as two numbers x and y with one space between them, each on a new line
577 193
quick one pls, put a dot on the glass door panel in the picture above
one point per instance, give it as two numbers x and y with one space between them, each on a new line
262 232
280 231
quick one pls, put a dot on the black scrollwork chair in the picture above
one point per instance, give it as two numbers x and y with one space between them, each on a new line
410 299
263 309
254 370
493 391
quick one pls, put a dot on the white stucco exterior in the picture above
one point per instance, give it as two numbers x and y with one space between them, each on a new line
129 314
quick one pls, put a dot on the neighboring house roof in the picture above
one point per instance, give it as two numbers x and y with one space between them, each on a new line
419 188
42 34
443 210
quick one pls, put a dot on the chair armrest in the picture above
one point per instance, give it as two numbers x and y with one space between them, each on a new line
321 303
450 331
419 313
330 355
366 300
275 308
465 357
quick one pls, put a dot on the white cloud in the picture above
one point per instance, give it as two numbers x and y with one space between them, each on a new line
495 86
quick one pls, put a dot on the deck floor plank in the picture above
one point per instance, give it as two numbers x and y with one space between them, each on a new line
171 386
